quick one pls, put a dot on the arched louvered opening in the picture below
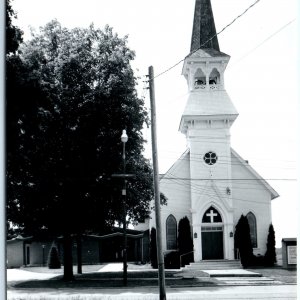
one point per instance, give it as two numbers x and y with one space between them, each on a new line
199 80
214 79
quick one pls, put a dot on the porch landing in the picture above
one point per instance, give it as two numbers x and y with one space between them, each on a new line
219 269
221 264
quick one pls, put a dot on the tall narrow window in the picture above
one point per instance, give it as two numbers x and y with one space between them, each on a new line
252 224
171 225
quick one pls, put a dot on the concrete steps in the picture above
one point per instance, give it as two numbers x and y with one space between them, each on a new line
215 265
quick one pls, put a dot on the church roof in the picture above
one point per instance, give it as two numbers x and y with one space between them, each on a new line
208 104
19 238
273 193
204 30
205 53
184 158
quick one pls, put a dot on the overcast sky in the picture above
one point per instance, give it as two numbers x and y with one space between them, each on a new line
261 77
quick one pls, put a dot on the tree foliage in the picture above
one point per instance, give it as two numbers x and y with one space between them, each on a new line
13 33
77 94
185 241
270 255
242 241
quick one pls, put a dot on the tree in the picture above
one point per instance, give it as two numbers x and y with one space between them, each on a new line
185 241
242 241
76 92
13 33
53 260
270 255
15 85
153 248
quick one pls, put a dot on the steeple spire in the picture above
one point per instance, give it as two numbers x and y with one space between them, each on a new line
204 27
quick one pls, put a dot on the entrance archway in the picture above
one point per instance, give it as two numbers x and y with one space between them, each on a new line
212 235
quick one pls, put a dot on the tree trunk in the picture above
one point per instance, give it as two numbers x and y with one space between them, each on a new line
79 253
68 263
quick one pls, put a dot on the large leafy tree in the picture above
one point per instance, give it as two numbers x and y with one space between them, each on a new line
76 92
13 83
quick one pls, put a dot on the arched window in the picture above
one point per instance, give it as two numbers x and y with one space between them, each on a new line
200 80
252 224
171 226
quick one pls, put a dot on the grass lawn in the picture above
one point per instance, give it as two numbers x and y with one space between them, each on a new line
283 275
115 279
138 276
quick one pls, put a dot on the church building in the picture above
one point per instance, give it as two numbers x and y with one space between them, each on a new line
211 184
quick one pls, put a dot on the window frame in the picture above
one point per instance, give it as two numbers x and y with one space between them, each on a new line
253 228
171 244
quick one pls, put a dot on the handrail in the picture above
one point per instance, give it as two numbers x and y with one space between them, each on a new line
180 256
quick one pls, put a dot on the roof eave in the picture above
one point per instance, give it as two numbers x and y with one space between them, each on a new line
274 194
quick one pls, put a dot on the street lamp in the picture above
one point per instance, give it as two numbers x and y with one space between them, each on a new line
43 247
124 139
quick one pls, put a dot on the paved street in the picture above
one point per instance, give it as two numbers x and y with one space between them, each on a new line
283 292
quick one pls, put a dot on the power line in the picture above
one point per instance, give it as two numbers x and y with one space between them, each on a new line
260 44
172 67
238 60
230 179
203 191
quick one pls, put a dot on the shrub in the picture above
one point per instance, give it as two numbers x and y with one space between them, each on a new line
53 261
242 241
270 255
185 242
153 248
257 260
172 260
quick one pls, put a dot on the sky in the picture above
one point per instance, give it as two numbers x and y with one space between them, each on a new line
261 77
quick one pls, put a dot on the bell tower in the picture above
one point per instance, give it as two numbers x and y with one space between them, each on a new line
206 121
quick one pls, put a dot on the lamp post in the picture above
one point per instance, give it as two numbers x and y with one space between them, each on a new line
43 247
124 139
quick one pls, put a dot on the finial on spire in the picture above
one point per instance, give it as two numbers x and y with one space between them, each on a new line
204 27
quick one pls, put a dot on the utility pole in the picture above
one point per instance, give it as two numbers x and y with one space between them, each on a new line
124 139
160 258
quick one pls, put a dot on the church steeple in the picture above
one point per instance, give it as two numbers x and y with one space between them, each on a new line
208 104
204 27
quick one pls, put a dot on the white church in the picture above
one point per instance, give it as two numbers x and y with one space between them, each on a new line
211 183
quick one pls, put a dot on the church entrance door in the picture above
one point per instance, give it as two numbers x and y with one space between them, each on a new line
212 234
212 242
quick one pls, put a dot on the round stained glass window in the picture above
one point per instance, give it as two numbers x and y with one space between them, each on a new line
210 158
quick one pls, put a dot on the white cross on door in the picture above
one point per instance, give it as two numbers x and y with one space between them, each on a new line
211 215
